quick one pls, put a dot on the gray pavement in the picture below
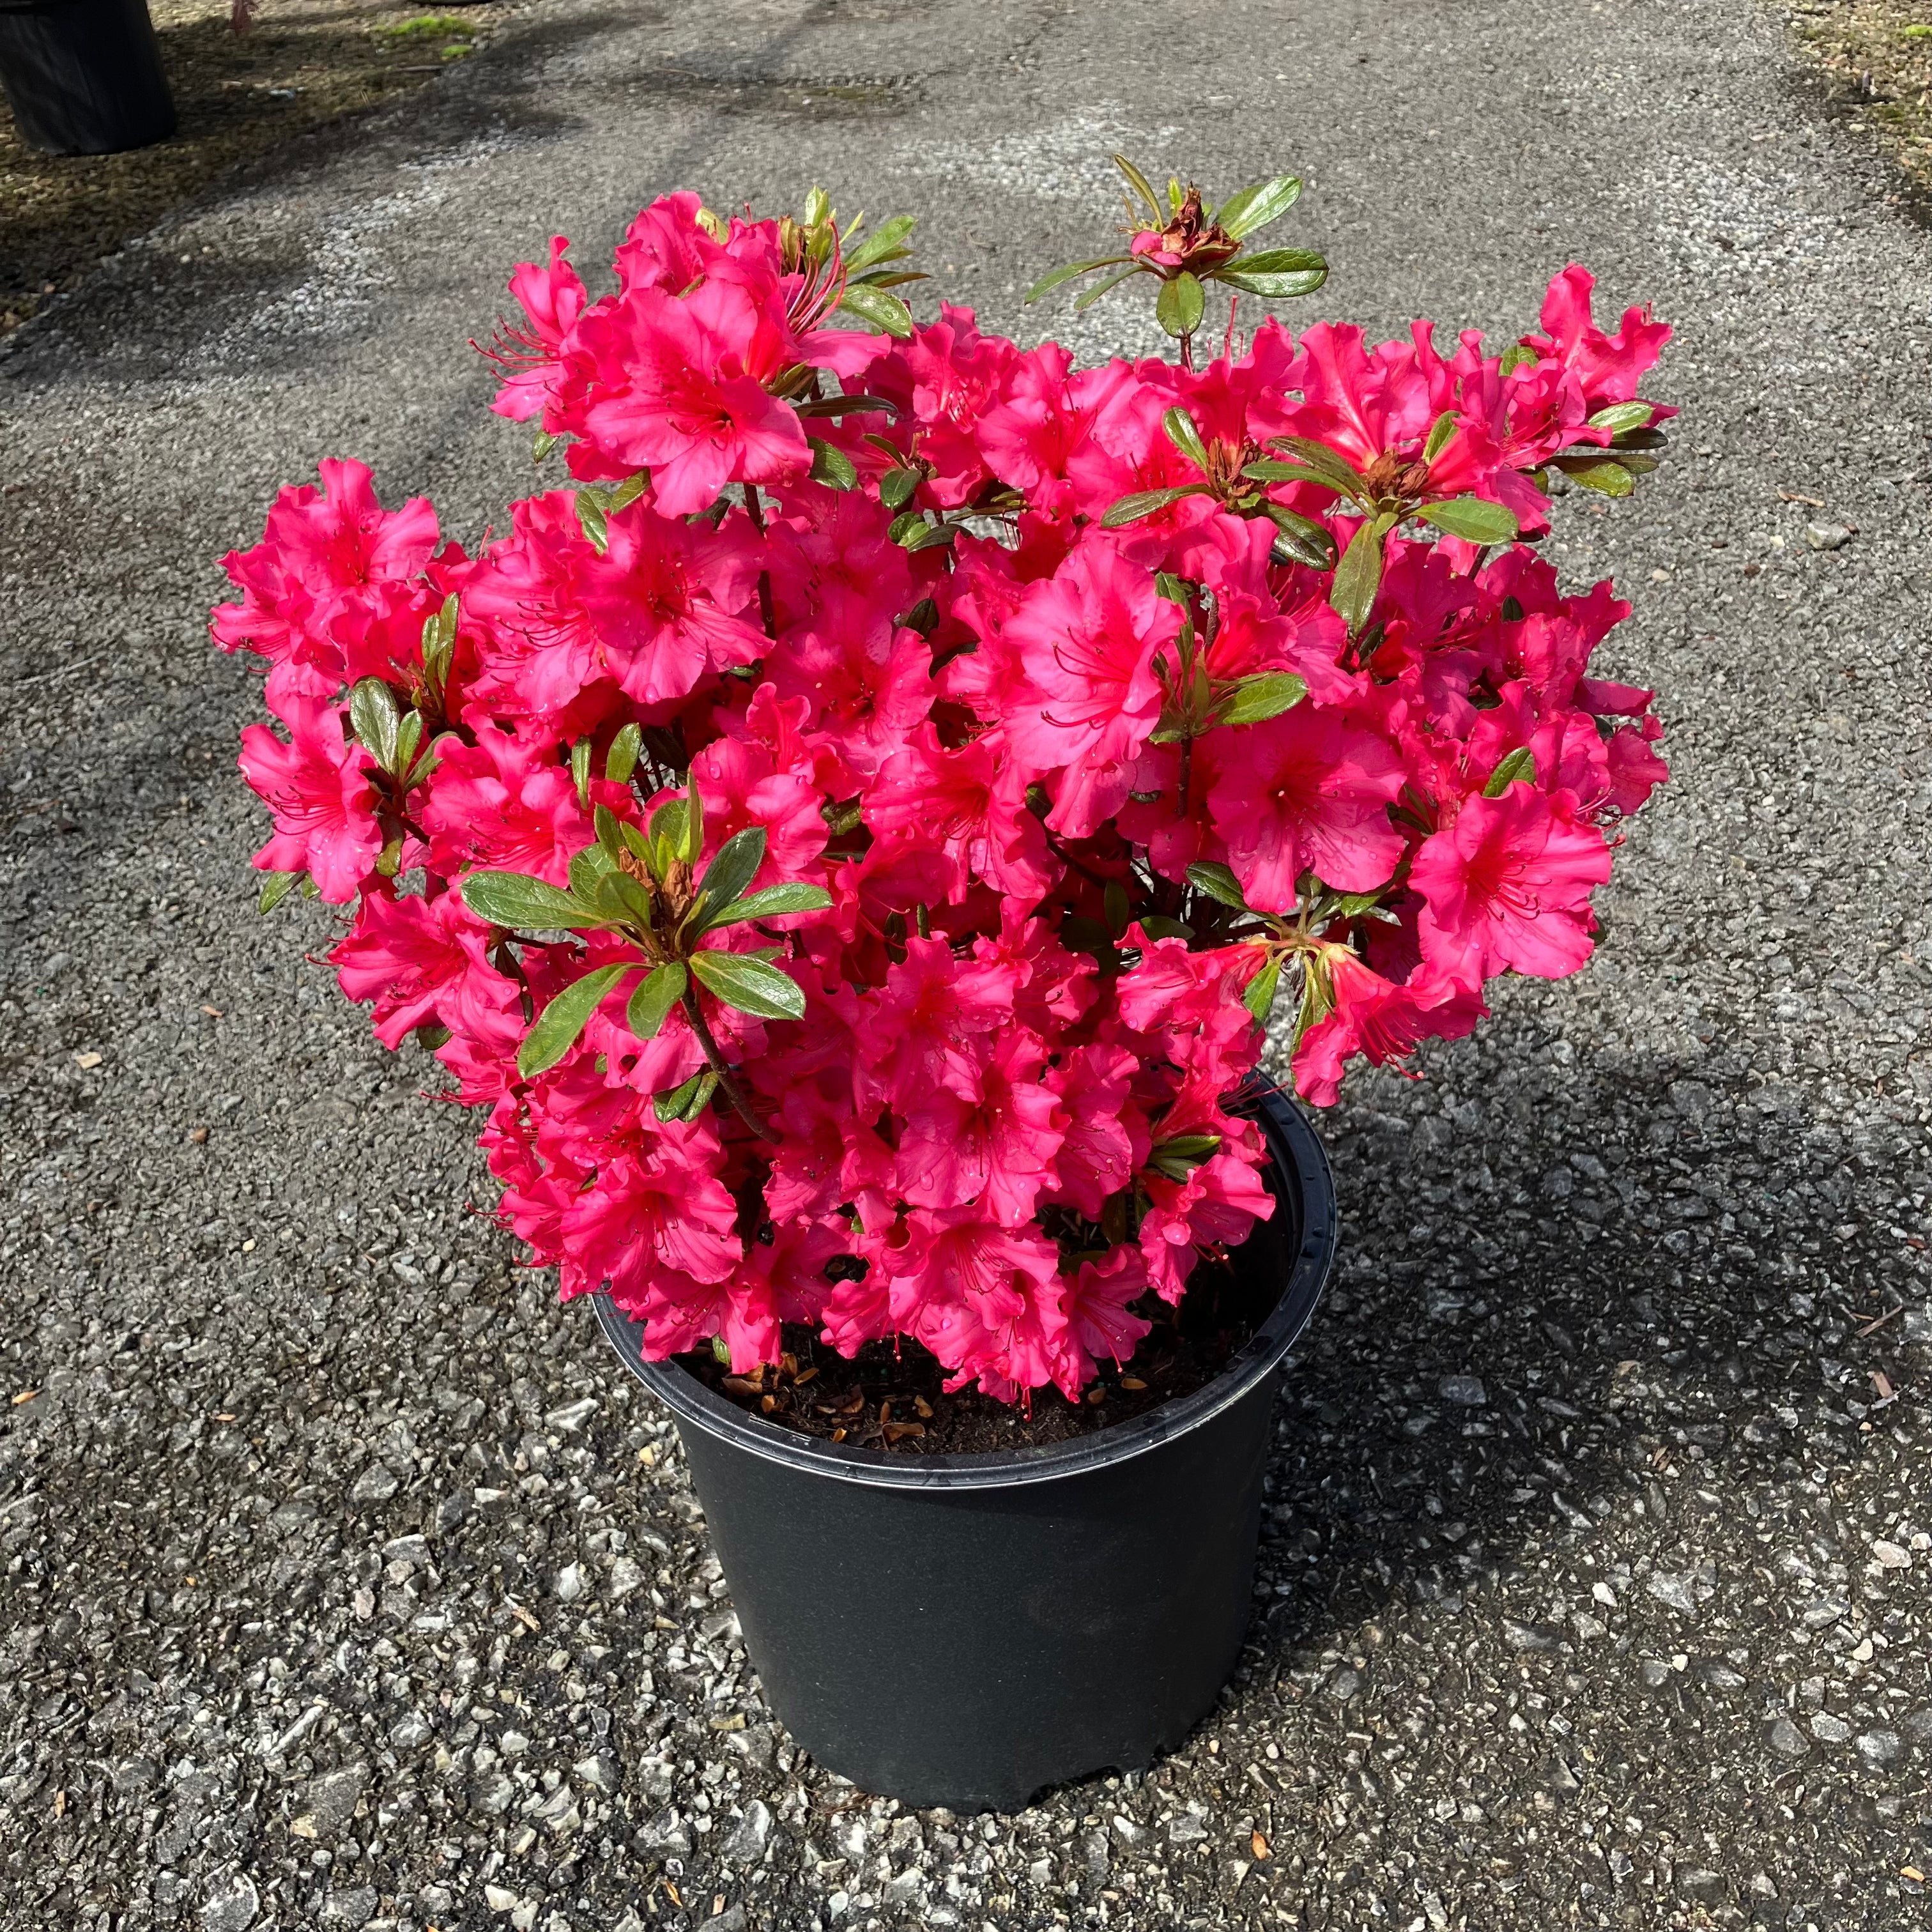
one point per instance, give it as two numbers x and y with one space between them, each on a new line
346 1583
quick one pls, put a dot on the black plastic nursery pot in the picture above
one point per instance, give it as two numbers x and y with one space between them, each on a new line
968 1630
84 76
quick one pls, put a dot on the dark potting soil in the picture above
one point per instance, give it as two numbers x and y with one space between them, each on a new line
892 1395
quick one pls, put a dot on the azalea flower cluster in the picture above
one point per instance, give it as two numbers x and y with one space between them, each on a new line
851 837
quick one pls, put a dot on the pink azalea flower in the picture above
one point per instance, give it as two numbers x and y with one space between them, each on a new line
1088 637
325 812
682 393
1507 888
505 804
995 1147
1303 792
421 960
667 600
1382 1021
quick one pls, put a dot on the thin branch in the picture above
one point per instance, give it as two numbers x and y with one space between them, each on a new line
727 1084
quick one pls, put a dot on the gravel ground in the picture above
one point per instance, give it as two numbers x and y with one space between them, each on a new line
347 1583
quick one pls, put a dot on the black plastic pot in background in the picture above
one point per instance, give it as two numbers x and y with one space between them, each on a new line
84 76
967 1630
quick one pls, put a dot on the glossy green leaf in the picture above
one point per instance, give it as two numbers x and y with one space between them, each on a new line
1157 926
1284 287
1142 188
1253 208
1056 277
579 771
831 466
524 904
774 902
1518 355
1520 765
845 406
1218 882
732 870
926 537
1100 288
1259 998
1359 575
1267 694
1440 431
661 990
1300 539
1177 1158
1282 262
749 986
686 1102
1328 466
275 888
409 736
1144 503
1180 305
1473 519
878 308
373 717
897 487
590 516
1184 433
621 760
883 244
559 1024
1608 478
1622 416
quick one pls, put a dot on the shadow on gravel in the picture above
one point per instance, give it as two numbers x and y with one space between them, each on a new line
1534 1333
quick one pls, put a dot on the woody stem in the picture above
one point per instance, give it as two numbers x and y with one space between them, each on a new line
727 1084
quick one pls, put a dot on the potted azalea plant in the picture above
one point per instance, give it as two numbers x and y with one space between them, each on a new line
853 835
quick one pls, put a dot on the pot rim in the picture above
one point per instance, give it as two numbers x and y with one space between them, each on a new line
1299 1159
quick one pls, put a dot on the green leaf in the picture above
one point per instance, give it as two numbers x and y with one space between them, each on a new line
1622 416
579 771
693 841
750 985
897 487
1140 187
591 517
1180 305
1283 262
883 311
1519 765
1185 434
275 888
431 757
1218 882
1335 470
1474 519
730 872
1300 539
1440 431
1049 282
1273 284
541 444
1267 694
904 525
1253 208
1144 503
1359 575
1100 288
1177 1158
1605 476
621 760
929 534
1259 998
845 406
661 990
591 871
831 466
774 902
374 718
525 905
1518 355
619 496
685 1103
883 245
1157 926
409 735
1352 905
559 1024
